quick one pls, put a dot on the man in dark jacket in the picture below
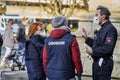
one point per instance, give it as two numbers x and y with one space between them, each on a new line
61 53
102 45
21 36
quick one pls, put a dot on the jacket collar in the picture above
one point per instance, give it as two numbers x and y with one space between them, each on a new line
57 33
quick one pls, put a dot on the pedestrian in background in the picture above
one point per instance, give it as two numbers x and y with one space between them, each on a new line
61 55
34 52
8 42
21 37
102 45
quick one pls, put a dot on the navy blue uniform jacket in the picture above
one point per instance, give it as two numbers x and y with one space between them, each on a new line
34 51
104 41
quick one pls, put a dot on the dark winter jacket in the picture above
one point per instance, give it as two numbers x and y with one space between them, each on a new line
21 36
104 41
33 57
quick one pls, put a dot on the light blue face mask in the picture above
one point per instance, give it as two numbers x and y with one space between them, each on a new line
43 33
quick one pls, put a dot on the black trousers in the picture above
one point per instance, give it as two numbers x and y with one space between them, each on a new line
104 72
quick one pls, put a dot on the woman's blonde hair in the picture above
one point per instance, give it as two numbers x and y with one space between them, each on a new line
34 27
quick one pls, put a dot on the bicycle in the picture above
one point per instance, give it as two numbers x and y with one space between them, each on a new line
14 57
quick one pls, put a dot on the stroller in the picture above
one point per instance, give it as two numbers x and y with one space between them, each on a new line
15 59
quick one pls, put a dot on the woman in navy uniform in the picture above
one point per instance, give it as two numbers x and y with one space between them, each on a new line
102 45
34 50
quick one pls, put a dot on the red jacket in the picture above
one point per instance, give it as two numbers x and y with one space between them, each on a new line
57 33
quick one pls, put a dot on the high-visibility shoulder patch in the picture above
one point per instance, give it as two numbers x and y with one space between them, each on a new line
108 40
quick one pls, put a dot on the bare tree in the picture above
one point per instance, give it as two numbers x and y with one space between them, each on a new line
55 7
59 7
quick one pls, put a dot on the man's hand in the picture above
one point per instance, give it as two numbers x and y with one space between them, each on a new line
90 52
84 34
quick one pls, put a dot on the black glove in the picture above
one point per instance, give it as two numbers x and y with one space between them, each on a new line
79 76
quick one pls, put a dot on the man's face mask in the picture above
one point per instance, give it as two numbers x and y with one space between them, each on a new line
96 20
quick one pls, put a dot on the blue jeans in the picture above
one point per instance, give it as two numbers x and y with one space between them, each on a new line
21 45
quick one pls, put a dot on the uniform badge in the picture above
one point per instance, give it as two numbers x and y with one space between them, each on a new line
108 39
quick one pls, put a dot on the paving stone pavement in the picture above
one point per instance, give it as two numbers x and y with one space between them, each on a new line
22 75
